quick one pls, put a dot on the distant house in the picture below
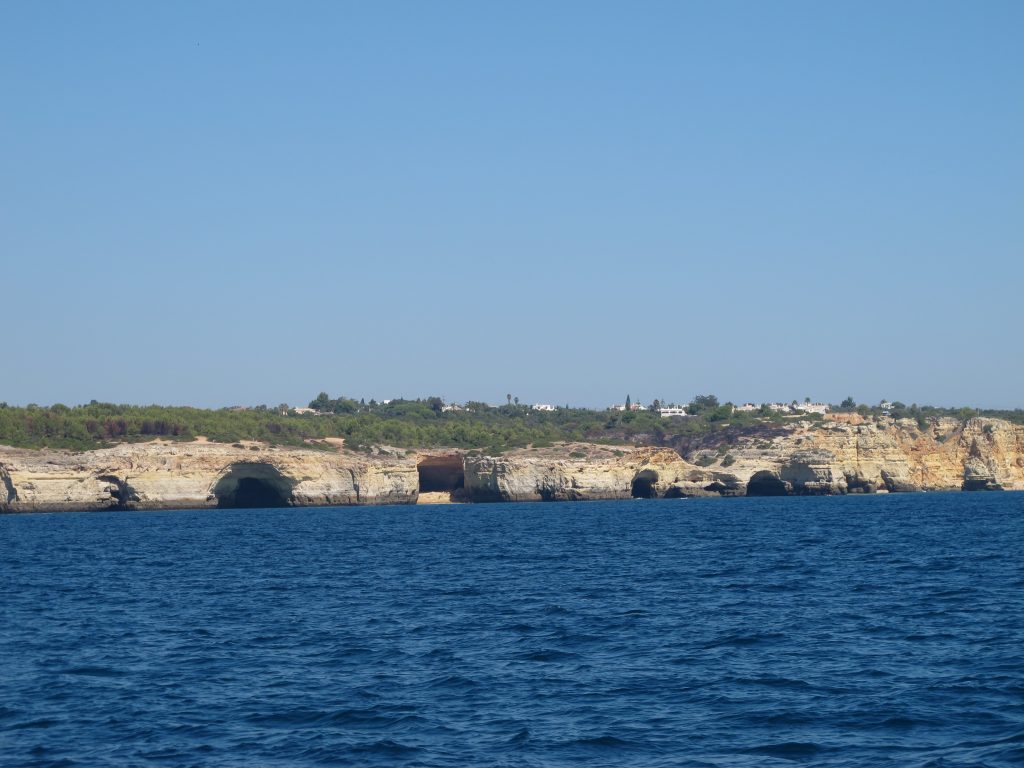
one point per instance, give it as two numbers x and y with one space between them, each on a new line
747 407
780 407
821 408
673 410
542 407
451 407
302 411
632 407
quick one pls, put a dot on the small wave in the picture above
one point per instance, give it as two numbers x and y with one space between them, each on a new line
740 640
547 655
93 671
902 722
40 751
556 610
603 741
385 747
519 737
42 722
371 718
788 750
452 681
521 628
774 682
287 719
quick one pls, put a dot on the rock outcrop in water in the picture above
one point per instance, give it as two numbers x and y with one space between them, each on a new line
803 459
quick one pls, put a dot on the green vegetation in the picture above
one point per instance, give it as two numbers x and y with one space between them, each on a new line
404 423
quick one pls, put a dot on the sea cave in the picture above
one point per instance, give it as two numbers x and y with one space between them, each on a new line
253 486
441 474
766 483
643 486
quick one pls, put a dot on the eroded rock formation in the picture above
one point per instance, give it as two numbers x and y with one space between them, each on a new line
804 459
191 475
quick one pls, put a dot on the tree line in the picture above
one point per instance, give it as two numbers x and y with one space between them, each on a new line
420 423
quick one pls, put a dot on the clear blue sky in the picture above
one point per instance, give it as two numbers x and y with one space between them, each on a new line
219 203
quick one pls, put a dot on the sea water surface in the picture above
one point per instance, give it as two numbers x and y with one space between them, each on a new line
854 631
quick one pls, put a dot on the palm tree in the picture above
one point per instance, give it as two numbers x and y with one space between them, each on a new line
509 399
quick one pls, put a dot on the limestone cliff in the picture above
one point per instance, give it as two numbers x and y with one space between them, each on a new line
832 457
598 473
177 475
837 457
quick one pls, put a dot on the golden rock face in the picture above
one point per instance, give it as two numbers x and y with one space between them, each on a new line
805 458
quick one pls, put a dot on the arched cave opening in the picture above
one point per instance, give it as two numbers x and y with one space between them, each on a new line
122 495
442 474
253 486
643 485
765 483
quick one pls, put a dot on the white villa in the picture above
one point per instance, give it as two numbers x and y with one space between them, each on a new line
673 410
821 408
542 407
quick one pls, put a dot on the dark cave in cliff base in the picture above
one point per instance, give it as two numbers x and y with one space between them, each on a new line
441 474
252 486
643 485
764 483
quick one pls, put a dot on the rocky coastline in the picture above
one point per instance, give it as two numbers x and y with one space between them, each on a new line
805 459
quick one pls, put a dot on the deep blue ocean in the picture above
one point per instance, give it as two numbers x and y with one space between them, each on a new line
848 631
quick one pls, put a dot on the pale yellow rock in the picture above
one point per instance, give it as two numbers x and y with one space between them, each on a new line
832 457
885 454
185 475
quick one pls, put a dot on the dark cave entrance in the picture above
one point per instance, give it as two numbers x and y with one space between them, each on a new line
764 483
643 485
122 495
442 474
253 486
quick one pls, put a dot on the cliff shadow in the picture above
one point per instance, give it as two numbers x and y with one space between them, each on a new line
253 486
442 474
643 486
10 494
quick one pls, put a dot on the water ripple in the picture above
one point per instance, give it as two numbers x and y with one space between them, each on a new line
858 631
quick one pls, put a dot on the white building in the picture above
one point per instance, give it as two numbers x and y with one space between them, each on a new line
821 408
673 410
542 407
301 411
747 407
